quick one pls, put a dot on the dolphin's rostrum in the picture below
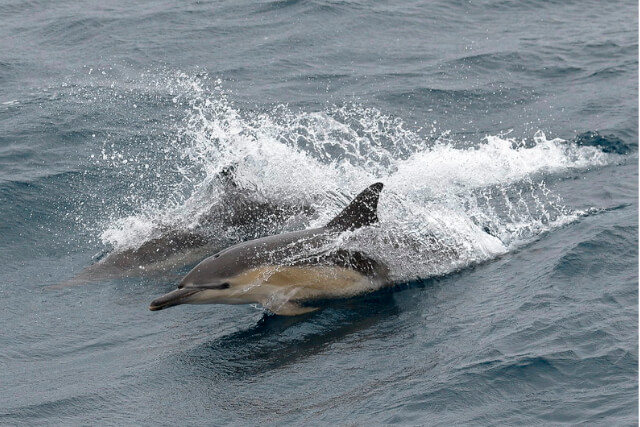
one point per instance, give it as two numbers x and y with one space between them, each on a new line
282 271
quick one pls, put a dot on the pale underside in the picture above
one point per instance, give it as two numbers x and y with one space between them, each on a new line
280 289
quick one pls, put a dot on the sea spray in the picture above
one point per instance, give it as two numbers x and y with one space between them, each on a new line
447 204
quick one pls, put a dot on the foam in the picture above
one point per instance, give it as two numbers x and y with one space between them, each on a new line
447 204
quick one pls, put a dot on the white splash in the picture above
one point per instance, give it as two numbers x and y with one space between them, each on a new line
445 205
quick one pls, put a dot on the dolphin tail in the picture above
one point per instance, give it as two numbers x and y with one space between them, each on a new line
362 211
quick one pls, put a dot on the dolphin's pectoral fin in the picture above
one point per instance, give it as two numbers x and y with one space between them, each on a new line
362 211
292 309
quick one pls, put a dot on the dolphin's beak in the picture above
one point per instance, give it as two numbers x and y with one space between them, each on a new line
172 298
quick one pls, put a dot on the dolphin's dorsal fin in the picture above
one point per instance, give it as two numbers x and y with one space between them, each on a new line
362 211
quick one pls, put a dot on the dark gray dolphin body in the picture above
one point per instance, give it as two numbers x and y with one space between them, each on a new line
284 270
175 248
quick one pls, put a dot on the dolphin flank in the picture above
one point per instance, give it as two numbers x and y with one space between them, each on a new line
284 271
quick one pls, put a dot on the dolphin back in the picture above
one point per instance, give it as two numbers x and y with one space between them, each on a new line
362 211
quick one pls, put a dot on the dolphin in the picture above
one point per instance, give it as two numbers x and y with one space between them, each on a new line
285 272
174 248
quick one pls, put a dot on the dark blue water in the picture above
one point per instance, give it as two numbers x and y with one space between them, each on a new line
506 133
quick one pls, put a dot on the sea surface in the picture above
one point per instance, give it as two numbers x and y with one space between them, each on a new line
135 136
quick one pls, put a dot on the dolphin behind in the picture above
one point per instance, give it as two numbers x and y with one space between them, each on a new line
283 271
176 247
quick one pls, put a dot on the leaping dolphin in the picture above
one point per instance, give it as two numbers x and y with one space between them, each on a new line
285 271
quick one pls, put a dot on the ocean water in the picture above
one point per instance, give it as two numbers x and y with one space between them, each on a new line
134 136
